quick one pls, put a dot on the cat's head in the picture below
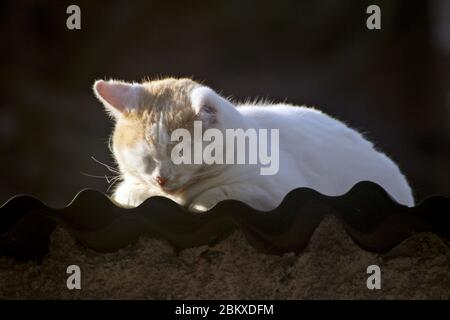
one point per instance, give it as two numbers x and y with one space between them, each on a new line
147 113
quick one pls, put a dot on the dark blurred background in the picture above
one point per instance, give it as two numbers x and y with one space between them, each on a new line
392 84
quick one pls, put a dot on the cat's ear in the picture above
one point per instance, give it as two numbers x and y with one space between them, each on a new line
207 104
118 97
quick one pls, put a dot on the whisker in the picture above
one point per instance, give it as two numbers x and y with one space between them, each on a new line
111 169
114 181
109 179
207 173
95 176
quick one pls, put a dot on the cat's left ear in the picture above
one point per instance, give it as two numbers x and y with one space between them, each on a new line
207 104
118 97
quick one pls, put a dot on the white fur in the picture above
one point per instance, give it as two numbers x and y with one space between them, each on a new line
316 151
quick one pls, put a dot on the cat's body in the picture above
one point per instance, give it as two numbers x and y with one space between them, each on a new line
315 150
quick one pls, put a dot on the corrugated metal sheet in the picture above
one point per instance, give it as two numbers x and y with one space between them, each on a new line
373 220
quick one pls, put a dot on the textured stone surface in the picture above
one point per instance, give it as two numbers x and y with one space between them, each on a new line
332 266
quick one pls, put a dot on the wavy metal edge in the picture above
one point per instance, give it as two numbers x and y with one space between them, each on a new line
369 215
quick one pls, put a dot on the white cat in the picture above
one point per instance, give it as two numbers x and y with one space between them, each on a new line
315 150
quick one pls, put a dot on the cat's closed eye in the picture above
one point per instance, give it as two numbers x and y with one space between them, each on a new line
149 161
208 109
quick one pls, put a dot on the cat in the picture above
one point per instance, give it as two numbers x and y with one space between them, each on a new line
315 150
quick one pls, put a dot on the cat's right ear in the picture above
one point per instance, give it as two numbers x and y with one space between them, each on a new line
119 98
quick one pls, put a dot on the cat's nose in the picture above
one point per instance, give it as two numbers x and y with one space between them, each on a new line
161 180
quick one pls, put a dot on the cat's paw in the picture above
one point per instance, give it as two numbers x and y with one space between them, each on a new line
207 200
128 200
130 195
197 208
